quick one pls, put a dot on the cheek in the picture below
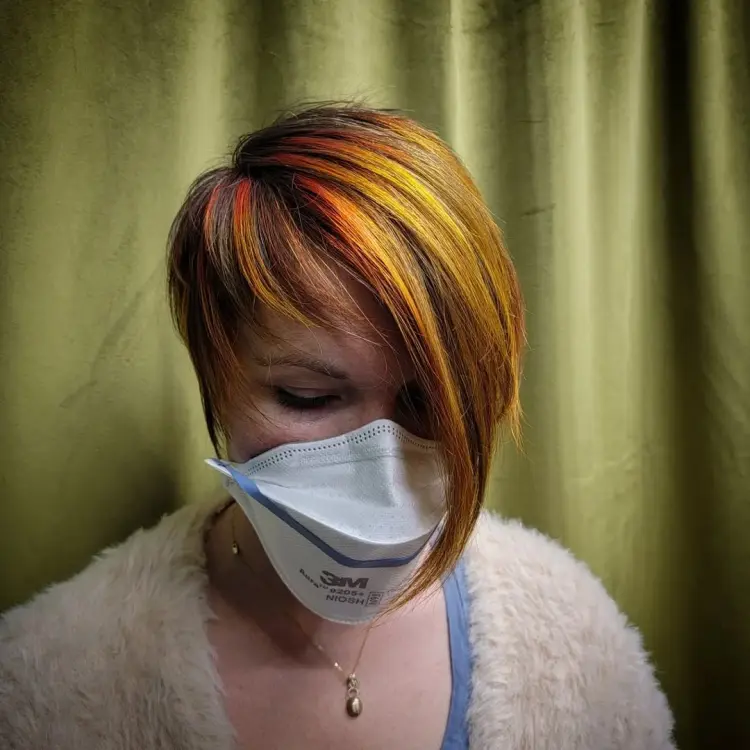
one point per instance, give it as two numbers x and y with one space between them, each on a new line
248 443
254 432
270 425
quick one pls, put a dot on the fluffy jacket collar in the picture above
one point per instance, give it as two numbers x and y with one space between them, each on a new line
117 658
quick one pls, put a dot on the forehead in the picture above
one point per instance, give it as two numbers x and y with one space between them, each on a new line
364 343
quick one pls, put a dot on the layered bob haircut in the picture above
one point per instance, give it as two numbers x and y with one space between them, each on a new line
377 194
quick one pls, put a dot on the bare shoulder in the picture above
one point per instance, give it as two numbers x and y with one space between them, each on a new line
552 647
83 659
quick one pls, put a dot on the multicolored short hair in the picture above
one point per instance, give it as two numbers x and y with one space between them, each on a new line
376 193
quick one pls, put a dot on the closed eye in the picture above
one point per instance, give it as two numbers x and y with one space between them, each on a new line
303 403
414 400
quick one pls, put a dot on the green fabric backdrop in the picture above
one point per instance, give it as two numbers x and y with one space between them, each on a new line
611 138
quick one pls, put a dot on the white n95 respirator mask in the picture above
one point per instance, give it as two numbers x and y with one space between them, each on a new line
343 520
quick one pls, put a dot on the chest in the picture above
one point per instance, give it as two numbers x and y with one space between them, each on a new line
277 703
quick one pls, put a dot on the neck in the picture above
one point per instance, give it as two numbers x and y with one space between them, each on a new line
249 584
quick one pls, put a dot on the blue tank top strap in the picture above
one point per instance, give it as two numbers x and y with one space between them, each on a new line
456 595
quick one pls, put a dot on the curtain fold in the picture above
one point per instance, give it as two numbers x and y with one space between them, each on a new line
610 137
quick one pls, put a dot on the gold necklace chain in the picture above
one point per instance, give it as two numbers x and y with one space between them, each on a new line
353 697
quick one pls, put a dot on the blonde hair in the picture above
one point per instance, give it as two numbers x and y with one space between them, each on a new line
387 199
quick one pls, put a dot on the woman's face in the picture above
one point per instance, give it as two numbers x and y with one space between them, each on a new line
311 384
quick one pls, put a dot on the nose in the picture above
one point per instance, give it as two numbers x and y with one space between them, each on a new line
395 405
378 407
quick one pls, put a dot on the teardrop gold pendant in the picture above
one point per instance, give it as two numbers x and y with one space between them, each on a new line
354 707
353 701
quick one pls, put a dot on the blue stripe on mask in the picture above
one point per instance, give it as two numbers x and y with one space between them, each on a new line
249 487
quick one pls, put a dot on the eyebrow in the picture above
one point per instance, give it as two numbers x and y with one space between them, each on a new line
306 361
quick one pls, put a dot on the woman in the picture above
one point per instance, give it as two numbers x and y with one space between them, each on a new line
356 329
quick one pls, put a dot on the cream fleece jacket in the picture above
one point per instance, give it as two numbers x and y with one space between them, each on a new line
117 658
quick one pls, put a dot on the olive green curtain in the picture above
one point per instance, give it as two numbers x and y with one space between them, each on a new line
610 137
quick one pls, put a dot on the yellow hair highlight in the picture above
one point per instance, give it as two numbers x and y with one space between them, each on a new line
384 197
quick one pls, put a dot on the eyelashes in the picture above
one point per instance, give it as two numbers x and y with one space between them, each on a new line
412 400
303 403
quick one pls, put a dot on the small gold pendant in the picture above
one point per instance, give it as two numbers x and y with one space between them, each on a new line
353 701
354 707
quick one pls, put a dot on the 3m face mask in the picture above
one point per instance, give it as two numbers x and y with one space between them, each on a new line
344 520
